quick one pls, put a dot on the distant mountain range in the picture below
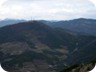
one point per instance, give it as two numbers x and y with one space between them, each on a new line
81 26
36 46
9 22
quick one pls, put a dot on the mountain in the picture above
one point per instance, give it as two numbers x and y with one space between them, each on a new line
81 25
9 22
35 46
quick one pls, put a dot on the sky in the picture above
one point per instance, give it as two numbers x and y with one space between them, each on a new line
47 9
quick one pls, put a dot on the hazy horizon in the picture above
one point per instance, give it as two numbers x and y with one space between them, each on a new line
43 19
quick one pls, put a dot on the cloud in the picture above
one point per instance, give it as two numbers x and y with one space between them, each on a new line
93 1
47 9
2 1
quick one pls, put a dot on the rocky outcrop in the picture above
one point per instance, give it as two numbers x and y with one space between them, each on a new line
80 68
